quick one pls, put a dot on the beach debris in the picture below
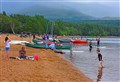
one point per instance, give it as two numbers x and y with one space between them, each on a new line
30 58
19 58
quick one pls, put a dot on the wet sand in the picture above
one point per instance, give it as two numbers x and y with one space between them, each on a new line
50 67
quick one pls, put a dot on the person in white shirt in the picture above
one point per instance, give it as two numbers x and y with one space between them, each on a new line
7 46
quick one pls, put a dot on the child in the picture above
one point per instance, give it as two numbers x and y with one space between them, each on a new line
22 53
7 47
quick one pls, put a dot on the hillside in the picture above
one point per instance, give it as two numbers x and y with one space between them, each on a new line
51 13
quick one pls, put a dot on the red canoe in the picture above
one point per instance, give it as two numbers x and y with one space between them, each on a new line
80 42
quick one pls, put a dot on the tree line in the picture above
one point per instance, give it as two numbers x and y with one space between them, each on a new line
16 23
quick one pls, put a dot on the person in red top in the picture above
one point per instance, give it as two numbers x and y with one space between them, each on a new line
22 53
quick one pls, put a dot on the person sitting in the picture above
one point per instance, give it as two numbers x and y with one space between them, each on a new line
22 53
52 46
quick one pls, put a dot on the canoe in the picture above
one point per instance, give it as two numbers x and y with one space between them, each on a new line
37 41
80 42
65 40
41 42
43 46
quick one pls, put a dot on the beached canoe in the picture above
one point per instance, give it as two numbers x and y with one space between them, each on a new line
37 41
80 42
65 40
41 42
43 46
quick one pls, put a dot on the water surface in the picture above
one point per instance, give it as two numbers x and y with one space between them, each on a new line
87 61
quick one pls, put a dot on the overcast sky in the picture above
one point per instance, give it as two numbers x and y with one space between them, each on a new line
63 0
97 8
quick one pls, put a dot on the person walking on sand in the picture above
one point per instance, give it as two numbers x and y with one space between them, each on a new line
90 45
100 58
7 46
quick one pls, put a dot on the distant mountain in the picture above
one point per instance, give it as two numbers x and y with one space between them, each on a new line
110 18
53 13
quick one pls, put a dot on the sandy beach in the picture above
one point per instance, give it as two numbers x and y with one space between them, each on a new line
51 66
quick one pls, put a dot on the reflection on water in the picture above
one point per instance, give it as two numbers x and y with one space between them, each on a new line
88 62
99 76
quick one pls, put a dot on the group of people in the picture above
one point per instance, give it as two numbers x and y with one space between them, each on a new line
22 52
98 51
90 44
45 38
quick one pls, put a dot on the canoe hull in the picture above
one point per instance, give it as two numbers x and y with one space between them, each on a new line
80 42
43 46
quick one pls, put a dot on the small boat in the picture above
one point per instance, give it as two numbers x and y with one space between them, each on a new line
43 46
65 40
80 42
37 41
41 42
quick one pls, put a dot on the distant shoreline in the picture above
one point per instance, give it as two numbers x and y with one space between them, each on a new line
89 36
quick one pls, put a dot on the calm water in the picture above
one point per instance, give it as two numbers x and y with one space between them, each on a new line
87 61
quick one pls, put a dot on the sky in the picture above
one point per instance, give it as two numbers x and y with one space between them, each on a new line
60 0
96 8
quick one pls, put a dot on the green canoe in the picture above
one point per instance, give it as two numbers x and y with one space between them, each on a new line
43 46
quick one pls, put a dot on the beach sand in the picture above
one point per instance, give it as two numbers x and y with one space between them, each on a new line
51 66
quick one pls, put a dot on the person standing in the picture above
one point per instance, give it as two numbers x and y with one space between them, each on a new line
34 36
90 45
100 58
98 42
7 46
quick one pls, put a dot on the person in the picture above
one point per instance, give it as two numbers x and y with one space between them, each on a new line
100 58
72 39
90 45
33 36
7 46
81 37
22 53
52 46
98 42
46 37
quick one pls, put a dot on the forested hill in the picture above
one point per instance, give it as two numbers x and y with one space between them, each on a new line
53 13
39 24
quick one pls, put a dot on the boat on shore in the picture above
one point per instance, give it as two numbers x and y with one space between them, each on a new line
79 42
65 40
44 47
